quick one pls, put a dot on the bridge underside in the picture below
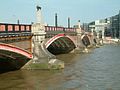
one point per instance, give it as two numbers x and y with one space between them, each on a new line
11 60
61 46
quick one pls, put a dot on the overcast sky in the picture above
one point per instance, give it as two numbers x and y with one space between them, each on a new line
84 10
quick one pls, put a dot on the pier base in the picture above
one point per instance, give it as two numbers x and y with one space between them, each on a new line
86 50
53 64
43 59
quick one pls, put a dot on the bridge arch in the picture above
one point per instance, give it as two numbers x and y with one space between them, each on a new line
12 57
85 40
60 44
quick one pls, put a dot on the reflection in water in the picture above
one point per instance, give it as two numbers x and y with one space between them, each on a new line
98 70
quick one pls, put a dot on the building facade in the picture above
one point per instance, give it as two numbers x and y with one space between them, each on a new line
108 27
115 26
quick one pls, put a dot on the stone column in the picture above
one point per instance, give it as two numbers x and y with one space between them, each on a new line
78 30
103 31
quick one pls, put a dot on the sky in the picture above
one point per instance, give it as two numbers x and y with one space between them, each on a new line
84 10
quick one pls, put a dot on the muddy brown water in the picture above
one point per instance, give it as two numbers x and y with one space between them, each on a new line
97 70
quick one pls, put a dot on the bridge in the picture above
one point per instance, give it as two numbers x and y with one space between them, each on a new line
12 57
19 43
60 44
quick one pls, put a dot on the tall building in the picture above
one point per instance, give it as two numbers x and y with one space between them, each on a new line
115 26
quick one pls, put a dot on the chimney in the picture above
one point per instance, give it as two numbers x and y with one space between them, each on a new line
56 22
68 22
18 21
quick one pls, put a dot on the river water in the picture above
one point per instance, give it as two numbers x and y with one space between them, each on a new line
97 70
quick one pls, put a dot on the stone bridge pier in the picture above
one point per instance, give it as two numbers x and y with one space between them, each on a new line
40 54
42 58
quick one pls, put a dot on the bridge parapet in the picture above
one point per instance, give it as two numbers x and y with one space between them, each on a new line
12 48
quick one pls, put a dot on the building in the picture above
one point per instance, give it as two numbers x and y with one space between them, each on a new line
98 27
85 27
108 27
115 26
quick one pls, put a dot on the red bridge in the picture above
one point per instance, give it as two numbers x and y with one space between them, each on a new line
12 57
60 44
15 43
